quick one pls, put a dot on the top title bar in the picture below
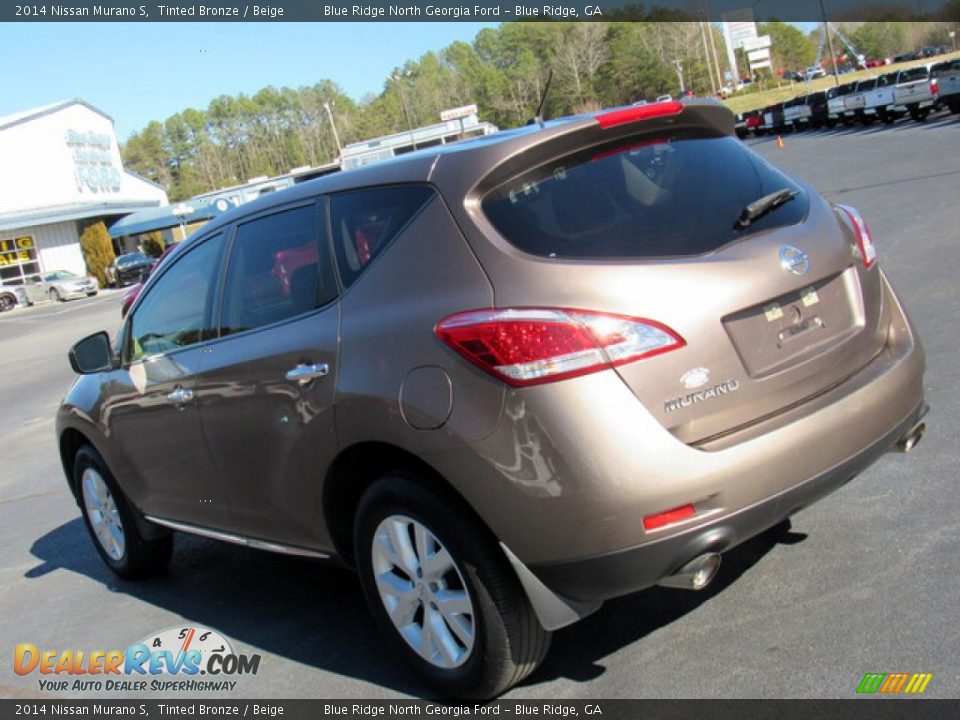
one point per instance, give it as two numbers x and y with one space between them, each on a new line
473 10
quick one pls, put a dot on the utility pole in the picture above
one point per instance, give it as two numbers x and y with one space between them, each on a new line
403 103
833 57
706 56
333 126
716 59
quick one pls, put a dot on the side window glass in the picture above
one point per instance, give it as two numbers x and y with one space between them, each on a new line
279 268
365 221
174 313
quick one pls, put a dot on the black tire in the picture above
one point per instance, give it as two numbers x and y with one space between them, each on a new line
954 106
7 302
919 115
55 295
509 642
92 294
140 557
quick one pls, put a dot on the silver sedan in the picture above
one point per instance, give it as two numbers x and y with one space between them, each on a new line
57 286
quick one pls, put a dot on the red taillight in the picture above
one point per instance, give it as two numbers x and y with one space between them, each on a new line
868 251
652 522
934 87
529 346
640 112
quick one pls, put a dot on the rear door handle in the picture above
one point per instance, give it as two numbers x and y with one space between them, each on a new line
303 374
180 396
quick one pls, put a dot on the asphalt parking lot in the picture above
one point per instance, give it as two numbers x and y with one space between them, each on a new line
865 581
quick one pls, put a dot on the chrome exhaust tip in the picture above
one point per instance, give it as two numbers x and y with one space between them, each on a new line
695 575
909 441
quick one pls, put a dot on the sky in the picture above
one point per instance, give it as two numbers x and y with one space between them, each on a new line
138 72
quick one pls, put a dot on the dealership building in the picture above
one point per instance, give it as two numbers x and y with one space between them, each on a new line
61 171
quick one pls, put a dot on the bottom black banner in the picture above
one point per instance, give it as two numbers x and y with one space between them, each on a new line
867 709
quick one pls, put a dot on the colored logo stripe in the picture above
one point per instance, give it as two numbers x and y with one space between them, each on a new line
871 682
918 683
894 683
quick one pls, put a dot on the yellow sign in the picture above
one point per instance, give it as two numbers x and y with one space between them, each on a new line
16 252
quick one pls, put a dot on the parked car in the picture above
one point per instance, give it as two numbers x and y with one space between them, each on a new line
945 77
836 107
129 268
932 51
774 118
796 114
855 102
914 93
664 98
57 286
817 102
878 101
130 296
10 297
525 375
814 72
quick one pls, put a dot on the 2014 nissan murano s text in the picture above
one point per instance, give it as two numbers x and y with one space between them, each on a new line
505 379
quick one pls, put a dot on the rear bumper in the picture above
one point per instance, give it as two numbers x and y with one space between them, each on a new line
573 468
618 573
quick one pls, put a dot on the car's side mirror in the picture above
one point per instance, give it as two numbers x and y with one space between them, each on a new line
93 354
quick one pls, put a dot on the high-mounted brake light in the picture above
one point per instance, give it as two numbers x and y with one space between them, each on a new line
530 346
868 251
638 112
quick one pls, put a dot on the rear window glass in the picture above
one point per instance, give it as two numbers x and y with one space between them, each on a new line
659 198
918 73
946 68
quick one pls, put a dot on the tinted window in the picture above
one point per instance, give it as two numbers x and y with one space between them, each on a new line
918 73
945 68
654 198
365 221
132 259
60 275
279 268
175 312
840 91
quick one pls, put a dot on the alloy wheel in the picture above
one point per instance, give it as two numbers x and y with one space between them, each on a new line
103 514
423 591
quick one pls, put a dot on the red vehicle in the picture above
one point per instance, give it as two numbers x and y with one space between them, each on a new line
132 294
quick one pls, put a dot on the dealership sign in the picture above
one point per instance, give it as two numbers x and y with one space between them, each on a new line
93 162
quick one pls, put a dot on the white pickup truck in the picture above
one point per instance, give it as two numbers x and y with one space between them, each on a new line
797 114
878 101
836 108
856 101
945 77
913 93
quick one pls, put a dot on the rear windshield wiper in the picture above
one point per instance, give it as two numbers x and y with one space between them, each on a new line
762 206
